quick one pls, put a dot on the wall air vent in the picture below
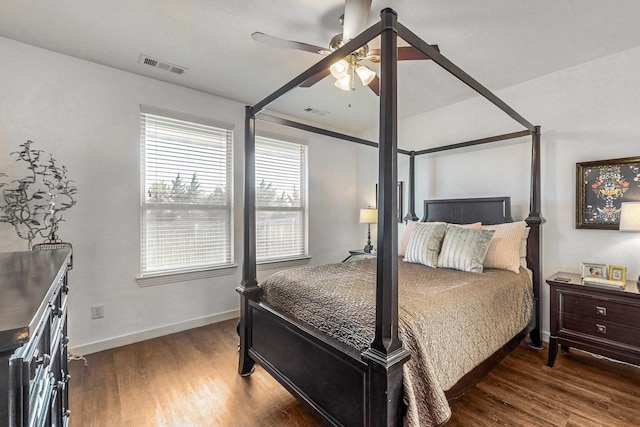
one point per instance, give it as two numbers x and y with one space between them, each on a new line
172 68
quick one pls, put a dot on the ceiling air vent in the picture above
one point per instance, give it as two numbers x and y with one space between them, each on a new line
316 111
172 68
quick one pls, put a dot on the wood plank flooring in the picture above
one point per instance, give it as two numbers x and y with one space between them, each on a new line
189 379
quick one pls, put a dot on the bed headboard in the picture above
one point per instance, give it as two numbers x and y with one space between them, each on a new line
488 210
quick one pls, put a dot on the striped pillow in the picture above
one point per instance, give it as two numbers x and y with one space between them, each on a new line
408 230
464 249
424 244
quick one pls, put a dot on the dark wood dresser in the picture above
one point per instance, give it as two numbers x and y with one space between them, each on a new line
33 338
595 319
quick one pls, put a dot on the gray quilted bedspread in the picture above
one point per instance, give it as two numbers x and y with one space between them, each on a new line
450 320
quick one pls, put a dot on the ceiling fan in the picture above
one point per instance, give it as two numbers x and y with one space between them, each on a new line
354 21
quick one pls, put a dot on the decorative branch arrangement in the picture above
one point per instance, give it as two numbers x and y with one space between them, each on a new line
34 204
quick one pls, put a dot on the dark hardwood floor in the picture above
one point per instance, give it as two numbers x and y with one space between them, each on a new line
189 379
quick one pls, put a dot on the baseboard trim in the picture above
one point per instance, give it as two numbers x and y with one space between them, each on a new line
135 337
94 347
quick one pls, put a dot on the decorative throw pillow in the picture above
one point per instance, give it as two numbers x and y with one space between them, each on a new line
504 251
523 248
406 235
464 249
475 225
424 244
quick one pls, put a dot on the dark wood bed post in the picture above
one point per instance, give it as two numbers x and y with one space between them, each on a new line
248 289
535 221
386 355
411 214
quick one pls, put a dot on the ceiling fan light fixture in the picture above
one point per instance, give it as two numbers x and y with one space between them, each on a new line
340 69
343 83
365 73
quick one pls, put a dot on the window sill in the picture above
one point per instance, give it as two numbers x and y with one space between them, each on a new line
183 276
283 263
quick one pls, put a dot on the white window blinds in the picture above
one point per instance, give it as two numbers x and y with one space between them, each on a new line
281 199
186 200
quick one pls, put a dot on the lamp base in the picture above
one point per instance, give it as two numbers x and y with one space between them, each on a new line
368 248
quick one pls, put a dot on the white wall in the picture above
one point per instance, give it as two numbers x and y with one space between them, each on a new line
588 112
87 115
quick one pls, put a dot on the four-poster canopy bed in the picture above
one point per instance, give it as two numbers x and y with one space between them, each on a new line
339 381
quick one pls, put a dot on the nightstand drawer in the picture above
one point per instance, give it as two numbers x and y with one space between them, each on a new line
601 309
602 330
600 320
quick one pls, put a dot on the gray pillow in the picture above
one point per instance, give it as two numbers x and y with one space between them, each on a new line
464 249
424 244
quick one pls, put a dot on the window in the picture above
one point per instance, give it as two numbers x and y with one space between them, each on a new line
281 200
187 187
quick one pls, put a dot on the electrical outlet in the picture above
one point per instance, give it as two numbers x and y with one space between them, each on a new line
97 311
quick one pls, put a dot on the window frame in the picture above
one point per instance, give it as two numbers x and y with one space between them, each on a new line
301 258
188 272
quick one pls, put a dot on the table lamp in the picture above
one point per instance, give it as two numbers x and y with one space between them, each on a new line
368 216
630 220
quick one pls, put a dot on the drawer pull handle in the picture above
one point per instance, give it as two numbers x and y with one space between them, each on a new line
602 311
601 329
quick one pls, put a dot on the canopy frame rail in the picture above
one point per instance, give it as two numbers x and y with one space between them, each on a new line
452 68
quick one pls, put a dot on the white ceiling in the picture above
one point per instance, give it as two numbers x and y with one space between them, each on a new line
498 42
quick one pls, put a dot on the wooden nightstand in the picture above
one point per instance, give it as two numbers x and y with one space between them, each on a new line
595 319
358 254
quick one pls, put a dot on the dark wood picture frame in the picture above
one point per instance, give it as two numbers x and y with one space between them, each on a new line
601 187
400 216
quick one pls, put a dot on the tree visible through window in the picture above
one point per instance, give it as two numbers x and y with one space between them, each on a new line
281 199
186 205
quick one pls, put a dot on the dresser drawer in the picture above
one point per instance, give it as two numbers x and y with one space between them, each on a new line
602 330
601 309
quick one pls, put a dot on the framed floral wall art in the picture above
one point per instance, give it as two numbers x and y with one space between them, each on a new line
602 186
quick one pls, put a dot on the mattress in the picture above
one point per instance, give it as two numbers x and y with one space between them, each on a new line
449 320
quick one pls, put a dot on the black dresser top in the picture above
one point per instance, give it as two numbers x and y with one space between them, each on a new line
26 280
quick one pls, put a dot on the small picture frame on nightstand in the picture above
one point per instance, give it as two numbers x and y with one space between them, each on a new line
590 269
618 273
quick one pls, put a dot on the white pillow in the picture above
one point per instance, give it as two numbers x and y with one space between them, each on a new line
424 244
523 248
406 235
504 250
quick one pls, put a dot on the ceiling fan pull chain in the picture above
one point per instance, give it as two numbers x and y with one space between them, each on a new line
352 70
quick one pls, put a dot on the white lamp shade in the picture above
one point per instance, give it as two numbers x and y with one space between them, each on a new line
340 69
366 75
630 216
368 216
344 83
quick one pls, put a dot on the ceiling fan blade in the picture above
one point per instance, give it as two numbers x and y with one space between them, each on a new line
286 44
356 14
408 53
315 79
374 85
405 53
